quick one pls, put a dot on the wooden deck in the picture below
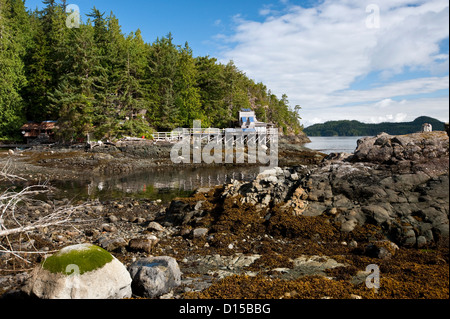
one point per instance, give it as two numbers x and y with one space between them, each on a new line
210 134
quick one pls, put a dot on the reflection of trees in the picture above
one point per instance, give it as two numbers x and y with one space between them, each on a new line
185 180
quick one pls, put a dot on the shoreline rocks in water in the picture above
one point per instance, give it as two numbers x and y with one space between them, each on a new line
305 231
71 162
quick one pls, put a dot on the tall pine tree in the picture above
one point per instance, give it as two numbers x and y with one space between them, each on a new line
186 90
132 86
12 79
45 60
163 62
75 96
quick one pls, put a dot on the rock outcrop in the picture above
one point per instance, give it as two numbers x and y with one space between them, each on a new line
398 183
392 149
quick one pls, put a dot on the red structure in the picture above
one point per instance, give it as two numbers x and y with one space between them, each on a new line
38 131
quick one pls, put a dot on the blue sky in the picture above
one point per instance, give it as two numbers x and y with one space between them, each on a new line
195 21
369 60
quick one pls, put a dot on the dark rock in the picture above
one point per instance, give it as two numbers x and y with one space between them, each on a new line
381 249
143 244
418 147
377 214
178 213
111 244
154 276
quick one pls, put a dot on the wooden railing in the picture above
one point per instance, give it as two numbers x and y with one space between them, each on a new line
210 133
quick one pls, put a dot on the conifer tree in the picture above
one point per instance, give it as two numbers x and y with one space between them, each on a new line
75 96
132 88
45 60
12 78
105 117
186 90
211 84
163 62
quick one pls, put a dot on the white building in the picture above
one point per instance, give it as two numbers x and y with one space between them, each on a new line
247 120
427 127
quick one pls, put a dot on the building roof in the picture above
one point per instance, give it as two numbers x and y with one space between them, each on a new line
46 125
34 129
30 126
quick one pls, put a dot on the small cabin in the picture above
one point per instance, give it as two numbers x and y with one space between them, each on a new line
248 120
42 132
427 127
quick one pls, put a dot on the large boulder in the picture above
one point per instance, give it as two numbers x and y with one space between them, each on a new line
417 147
154 276
83 271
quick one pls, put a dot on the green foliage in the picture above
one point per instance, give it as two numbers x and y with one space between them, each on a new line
96 80
355 128
12 76
45 60
86 257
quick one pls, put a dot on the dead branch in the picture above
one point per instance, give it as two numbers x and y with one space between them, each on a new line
14 208
59 217
6 172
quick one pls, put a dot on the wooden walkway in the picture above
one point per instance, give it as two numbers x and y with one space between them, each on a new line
219 135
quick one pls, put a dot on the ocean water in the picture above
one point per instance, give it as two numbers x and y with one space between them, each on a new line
333 144
164 184
167 184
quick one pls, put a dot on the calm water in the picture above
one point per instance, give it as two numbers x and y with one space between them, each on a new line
169 183
164 184
333 144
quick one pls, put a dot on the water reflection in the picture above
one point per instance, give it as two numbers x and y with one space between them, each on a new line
162 184
333 144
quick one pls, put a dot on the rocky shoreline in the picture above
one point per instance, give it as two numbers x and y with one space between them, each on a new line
57 162
304 230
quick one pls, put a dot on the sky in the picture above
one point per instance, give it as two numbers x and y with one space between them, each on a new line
367 60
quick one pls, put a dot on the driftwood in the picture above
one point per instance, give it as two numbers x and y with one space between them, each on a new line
12 205
6 172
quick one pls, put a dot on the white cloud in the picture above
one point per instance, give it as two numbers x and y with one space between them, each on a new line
314 55
394 89
375 112
410 36
384 103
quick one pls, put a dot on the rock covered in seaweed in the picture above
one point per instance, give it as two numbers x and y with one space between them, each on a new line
385 184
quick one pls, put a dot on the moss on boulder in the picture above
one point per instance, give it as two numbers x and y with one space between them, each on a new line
83 271
86 257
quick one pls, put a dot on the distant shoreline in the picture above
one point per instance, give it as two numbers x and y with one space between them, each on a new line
356 128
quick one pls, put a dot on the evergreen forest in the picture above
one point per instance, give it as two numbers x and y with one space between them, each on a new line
94 79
